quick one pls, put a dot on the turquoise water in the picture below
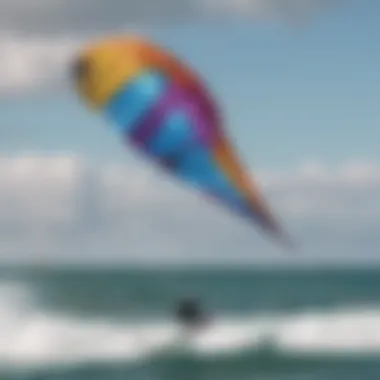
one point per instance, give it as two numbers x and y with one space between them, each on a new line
117 324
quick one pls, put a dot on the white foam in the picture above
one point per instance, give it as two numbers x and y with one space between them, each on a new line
30 337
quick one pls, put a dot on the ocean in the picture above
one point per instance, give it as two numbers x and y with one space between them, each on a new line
95 324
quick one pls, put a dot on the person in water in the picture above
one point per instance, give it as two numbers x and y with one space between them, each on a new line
190 314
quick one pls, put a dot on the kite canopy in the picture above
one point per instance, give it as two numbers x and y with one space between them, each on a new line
164 110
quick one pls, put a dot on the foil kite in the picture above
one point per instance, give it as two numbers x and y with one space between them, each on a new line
164 109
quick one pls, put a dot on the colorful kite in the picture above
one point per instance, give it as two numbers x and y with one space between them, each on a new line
162 108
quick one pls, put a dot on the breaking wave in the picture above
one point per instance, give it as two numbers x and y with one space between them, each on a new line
30 336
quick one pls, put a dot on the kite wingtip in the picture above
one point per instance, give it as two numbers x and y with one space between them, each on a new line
286 241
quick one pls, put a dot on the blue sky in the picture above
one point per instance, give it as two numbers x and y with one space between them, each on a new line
291 93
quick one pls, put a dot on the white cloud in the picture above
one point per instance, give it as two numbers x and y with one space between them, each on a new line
30 62
37 42
60 208
100 15
38 190
289 10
